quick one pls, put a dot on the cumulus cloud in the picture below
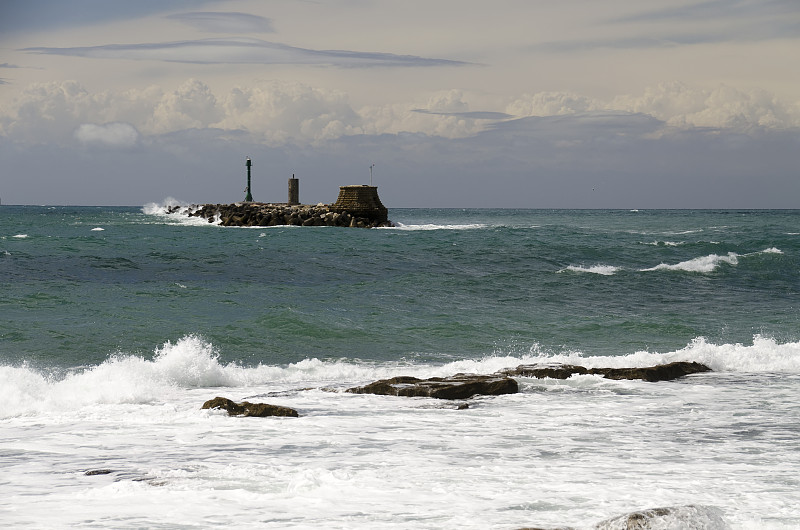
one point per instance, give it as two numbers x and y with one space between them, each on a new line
242 50
109 134
217 22
280 112
675 104
276 113
723 107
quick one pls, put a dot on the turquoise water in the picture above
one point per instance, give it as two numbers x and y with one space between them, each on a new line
82 283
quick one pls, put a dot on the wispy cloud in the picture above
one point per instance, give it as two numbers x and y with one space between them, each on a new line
706 22
716 9
24 15
218 22
243 51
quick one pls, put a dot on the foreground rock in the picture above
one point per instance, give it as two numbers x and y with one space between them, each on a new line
245 408
663 372
689 517
685 517
459 386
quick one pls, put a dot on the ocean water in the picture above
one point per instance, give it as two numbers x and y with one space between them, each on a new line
116 324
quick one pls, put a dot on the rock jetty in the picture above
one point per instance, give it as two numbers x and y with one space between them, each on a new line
356 207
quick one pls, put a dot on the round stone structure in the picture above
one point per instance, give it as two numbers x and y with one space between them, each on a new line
361 201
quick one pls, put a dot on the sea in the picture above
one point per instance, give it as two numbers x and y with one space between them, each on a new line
118 323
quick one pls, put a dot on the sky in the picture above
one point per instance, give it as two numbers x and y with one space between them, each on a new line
454 103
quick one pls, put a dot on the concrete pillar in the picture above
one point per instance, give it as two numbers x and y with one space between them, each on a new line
294 190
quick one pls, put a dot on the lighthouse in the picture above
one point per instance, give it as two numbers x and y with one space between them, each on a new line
249 196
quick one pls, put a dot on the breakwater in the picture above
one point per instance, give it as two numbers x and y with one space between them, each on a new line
356 207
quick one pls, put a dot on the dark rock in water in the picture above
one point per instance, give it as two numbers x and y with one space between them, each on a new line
93 472
663 372
245 408
553 371
459 386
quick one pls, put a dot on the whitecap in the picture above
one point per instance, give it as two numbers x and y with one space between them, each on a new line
604 270
21 236
400 226
702 264
98 229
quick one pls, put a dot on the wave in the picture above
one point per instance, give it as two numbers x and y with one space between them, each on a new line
665 243
604 270
193 363
709 263
702 264
174 211
154 208
476 226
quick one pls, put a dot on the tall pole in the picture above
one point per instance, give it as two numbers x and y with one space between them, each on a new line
370 174
249 196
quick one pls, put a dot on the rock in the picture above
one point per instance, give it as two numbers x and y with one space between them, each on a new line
688 517
245 408
94 472
459 386
553 371
662 372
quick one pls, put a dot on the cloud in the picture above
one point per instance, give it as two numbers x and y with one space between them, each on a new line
279 113
109 134
716 9
24 15
217 22
470 115
242 51
694 23
723 107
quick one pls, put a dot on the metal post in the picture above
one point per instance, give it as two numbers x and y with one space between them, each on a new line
370 174
249 196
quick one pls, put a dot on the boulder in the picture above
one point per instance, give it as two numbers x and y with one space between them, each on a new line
661 372
245 408
690 516
459 386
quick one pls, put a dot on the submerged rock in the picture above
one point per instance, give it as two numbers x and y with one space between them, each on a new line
685 517
245 408
662 372
459 386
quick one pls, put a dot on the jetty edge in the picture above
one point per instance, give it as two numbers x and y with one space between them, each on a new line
356 207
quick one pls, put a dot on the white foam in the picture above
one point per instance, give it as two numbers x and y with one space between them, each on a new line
666 243
153 208
98 229
702 264
179 216
476 226
21 236
604 270
710 263
765 355
577 453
